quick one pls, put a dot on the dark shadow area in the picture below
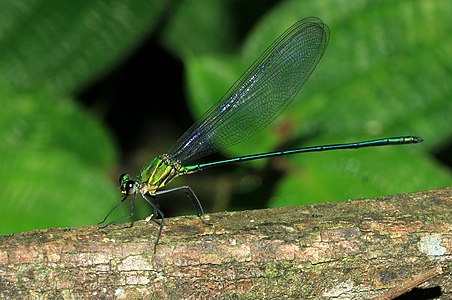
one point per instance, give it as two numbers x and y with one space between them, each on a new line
421 294
444 154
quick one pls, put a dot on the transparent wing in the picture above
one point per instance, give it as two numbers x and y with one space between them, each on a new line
260 94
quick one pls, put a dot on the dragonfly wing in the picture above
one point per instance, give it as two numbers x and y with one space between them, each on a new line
260 94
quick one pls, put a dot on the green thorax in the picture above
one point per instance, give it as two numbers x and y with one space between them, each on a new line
159 173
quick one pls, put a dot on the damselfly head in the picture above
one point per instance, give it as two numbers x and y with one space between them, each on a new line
126 184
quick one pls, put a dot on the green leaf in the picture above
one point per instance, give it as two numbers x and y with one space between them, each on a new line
53 160
51 188
55 156
353 174
37 121
211 28
61 45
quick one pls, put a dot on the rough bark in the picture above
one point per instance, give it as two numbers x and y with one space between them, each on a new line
362 249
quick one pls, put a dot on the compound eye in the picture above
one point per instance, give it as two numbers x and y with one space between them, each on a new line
130 187
126 185
123 178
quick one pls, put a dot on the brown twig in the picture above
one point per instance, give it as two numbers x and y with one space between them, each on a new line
342 250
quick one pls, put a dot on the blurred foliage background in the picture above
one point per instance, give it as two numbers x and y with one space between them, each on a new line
92 89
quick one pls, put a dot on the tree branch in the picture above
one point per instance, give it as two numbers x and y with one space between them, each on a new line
359 249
